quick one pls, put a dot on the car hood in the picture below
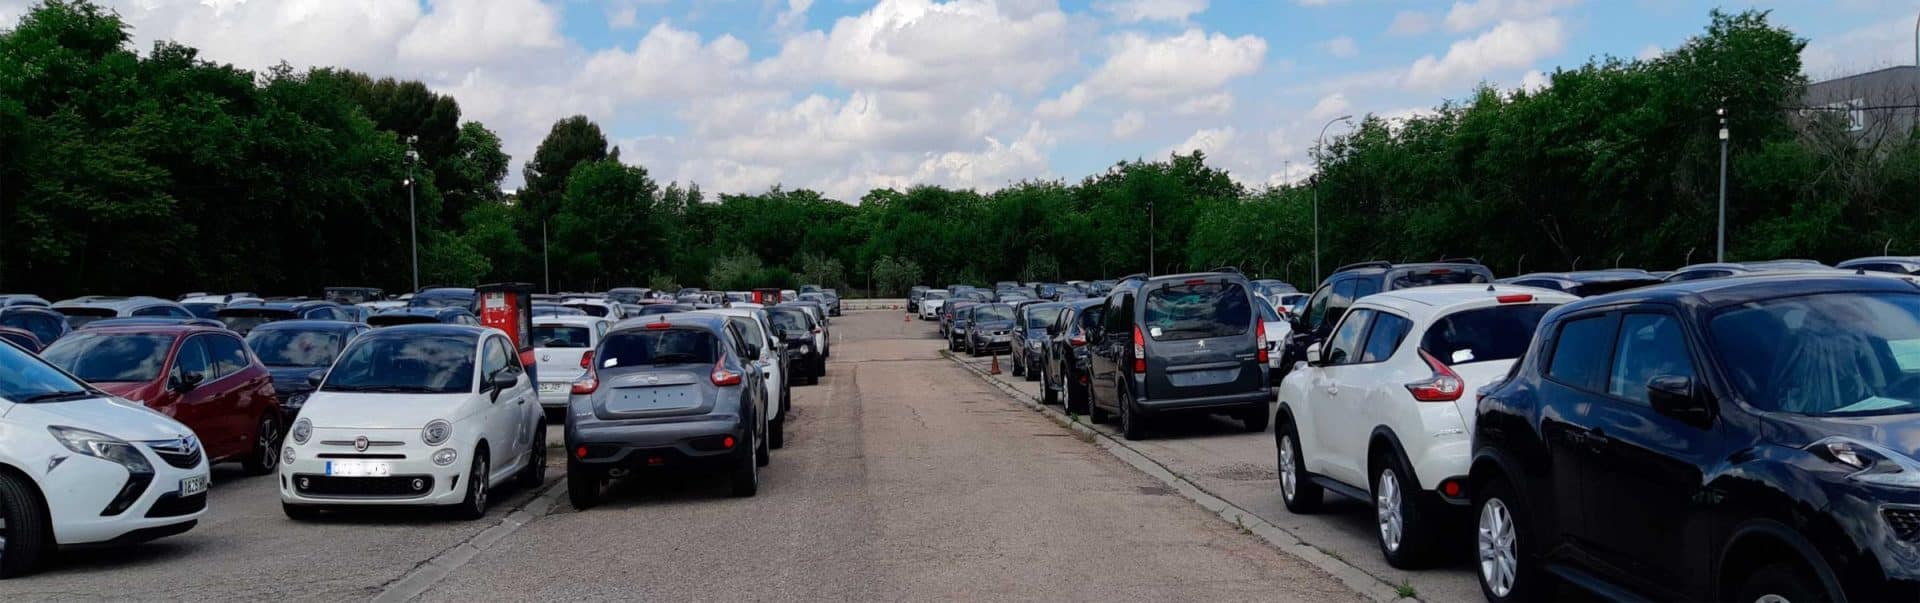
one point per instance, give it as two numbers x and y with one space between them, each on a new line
995 325
291 379
112 416
331 410
1899 432
137 392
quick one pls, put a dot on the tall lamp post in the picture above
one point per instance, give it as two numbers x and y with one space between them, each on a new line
413 216
1721 250
1319 145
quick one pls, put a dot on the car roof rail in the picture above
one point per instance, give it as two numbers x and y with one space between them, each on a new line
1367 264
1233 269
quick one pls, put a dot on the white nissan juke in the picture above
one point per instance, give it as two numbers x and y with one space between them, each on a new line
426 415
79 467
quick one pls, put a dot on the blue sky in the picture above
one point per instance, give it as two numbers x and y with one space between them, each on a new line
844 96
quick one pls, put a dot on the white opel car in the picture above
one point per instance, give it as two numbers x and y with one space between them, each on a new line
562 349
757 328
428 415
1384 410
79 467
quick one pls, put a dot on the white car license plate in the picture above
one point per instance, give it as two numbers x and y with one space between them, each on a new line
554 388
193 485
359 469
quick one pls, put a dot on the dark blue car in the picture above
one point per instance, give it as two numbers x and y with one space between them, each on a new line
294 349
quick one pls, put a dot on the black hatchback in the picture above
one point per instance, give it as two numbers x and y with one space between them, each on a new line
1749 438
1186 343
1354 281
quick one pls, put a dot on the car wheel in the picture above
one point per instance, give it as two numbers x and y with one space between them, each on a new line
1297 489
762 454
1076 394
777 432
583 485
1130 426
1400 517
300 512
1505 563
474 506
1019 366
1094 411
1782 582
1254 421
25 530
746 471
266 447
535 473
1031 373
1048 395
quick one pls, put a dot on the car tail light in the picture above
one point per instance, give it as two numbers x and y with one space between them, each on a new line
586 360
1077 340
589 383
816 330
1444 386
1260 334
1516 298
1139 352
722 376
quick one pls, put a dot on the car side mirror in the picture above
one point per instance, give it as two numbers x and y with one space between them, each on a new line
502 380
753 352
1313 355
187 381
315 378
1678 397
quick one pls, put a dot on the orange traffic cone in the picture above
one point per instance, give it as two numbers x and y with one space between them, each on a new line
994 369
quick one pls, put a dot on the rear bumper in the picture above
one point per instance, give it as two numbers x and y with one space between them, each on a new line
654 445
1252 400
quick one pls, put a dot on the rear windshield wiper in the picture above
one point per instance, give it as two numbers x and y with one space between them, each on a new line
56 396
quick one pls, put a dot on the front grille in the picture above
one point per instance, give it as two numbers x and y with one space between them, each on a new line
370 443
183 453
1905 522
172 504
354 455
398 486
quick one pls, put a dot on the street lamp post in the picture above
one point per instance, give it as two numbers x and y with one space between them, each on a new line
1319 146
1721 250
413 215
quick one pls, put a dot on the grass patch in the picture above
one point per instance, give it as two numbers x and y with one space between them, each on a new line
1404 590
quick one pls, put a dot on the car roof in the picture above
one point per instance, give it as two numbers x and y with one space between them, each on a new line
429 328
308 325
702 319
1445 299
1752 286
173 329
568 319
1908 260
113 302
1586 276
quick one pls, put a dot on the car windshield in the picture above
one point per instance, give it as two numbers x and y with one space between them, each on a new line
561 336
1827 354
642 347
1267 313
26 379
1043 317
1483 334
441 300
293 347
79 317
935 295
1196 310
412 362
111 357
993 313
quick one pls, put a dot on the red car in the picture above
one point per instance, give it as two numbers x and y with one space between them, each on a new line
204 377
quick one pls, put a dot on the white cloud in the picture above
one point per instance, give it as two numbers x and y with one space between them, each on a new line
1067 105
793 17
1885 43
1469 15
1510 44
1411 23
1212 104
667 63
1342 47
1135 11
1330 106
1128 124
1205 140
458 32
1535 81
1651 51
917 44
1143 69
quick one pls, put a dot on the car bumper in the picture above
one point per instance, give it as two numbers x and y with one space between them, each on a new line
655 445
1257 399
88 485
555 398
412 480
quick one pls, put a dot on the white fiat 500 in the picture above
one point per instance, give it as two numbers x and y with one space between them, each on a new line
429 415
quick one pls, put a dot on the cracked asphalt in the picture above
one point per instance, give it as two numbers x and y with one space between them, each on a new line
904 477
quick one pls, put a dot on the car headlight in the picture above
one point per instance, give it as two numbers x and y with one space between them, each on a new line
1872 464
286 456
445 456
302 429
101 446
436 432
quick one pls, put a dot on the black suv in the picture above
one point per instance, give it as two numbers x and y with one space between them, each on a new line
1713 440
1064 370
1354 281
1184 343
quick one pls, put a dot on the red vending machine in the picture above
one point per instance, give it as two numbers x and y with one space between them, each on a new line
509 307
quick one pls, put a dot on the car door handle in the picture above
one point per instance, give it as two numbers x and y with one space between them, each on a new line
1333 390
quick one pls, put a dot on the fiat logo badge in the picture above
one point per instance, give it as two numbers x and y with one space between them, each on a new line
360 444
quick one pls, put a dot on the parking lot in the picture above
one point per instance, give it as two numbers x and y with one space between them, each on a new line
905 476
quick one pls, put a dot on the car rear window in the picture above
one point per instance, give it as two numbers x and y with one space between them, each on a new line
590 309
561 336
993 313
1197 311
1041 318
1496 333
642 347
1436 276
109 358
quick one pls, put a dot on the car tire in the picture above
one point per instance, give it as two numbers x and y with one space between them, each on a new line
762 452
1019 366
474 505
535 473
777 433
1076 394
1131 426
1094 411
29 531
1784 580
1254 421
1504 546
584 485
266 447
1297 489
1048 395
1031 374
745 481
1402 518
300 512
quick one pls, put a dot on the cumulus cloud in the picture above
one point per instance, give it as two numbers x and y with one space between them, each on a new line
1535 81
667 63
1212 104
793 17
1474 14
1135 11
1885 43
1510 44
1128 124
910 44
1342 47
1206 140
1144 68
1411 23
1330 106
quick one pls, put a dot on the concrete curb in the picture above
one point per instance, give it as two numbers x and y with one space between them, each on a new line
1367 584
424 576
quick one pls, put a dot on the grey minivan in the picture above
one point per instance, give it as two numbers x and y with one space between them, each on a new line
1184 343
664 392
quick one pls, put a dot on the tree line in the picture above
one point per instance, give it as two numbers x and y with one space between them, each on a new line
159 172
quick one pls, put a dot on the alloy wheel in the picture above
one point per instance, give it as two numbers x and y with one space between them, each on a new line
269 444
1386 502
538 456
477 483
1288 474
1771 599
1498 556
